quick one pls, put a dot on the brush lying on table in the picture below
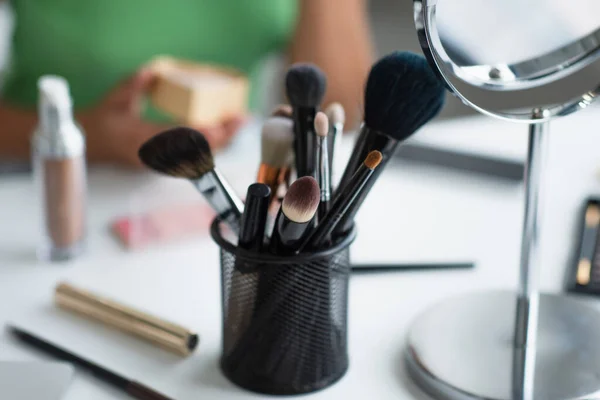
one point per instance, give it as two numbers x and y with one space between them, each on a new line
287 306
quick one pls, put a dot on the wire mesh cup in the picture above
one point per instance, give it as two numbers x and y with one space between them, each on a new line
284 318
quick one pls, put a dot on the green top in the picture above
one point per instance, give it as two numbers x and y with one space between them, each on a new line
95 44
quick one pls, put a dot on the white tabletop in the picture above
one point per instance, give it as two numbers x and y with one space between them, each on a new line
414 213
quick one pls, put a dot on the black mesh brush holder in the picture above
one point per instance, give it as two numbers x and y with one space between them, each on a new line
284 318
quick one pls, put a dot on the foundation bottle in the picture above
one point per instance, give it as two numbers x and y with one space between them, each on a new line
58 155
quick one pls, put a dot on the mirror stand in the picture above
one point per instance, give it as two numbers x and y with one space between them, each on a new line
502 345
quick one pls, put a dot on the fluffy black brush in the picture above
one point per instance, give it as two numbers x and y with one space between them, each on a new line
184 153
402 94
305 88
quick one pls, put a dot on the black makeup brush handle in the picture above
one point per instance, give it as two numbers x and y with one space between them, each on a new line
221 197
342 203
371 140
323 175
304 120
367 141
254 218
287 235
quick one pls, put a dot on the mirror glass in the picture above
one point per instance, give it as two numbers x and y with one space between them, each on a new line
509 31
547 51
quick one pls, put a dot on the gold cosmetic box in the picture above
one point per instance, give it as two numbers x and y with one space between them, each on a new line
198 94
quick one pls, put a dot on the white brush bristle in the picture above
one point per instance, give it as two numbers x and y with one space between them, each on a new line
301 200
321 124
277 138
336 113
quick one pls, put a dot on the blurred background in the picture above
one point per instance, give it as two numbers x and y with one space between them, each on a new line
391 23
392 27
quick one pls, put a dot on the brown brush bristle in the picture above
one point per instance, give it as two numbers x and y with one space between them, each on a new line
321 124
282 110
301 200
181 152
373 159
592 216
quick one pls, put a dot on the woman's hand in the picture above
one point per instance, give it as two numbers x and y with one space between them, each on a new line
115 130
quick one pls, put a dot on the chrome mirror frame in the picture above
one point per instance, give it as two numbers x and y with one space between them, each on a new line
525 74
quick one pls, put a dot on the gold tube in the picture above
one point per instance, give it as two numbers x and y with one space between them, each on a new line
174 338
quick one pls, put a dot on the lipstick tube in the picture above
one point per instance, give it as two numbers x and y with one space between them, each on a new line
167 335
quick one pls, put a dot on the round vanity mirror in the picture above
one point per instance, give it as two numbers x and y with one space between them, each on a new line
547 50
525 61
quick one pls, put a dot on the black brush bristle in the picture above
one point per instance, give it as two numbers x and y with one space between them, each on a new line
402 94
180 152
305 85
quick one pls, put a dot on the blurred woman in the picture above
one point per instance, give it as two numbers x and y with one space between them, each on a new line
101 48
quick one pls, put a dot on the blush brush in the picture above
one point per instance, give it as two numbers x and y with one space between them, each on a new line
276 147
305 86
402 94
184 153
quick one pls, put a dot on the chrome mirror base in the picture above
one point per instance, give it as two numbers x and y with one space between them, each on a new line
462 349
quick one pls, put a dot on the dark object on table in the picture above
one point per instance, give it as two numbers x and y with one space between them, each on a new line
133 388
285 322
463 161
364 269
585 275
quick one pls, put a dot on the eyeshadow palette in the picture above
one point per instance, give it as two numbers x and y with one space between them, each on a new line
585 277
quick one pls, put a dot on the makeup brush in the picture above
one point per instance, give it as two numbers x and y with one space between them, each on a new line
254 218
322 155
305 87
184 153
276 146
134 389
337 119
295 215
343 202
282 110
402 94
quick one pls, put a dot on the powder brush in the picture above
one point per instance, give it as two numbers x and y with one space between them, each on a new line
184 153
402 94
